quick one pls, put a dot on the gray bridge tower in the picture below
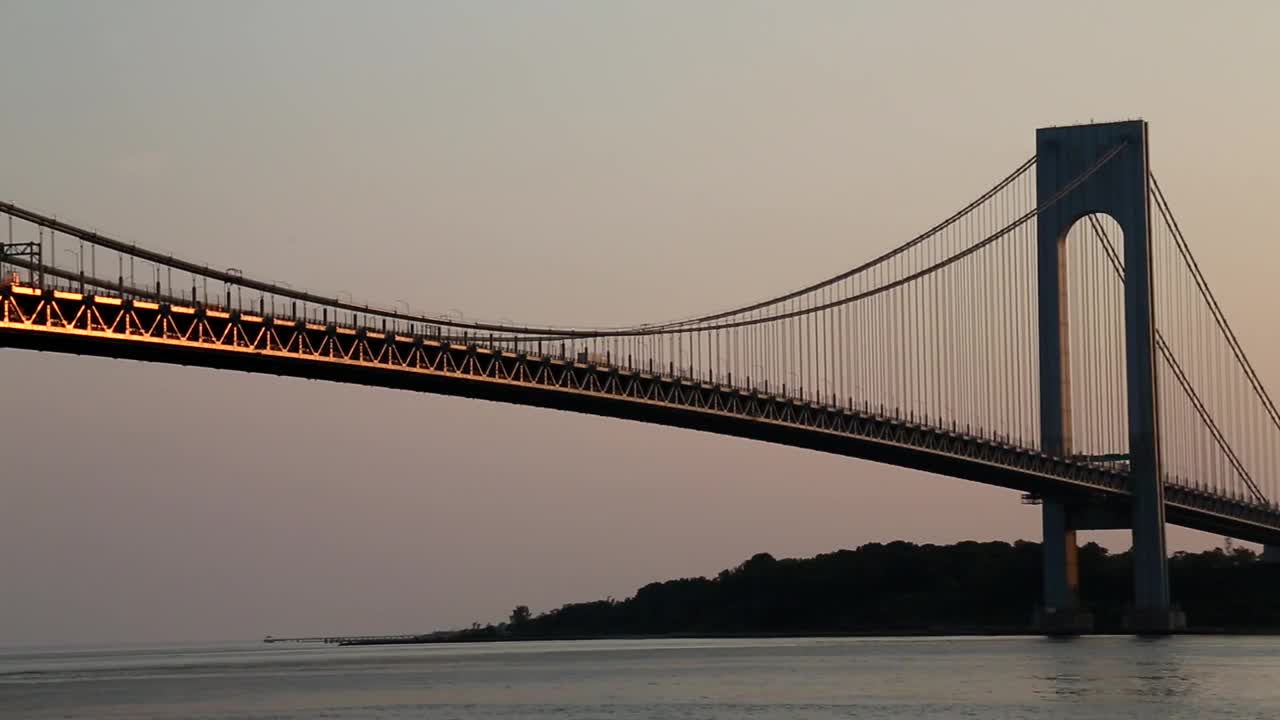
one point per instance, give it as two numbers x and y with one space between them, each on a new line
1118 189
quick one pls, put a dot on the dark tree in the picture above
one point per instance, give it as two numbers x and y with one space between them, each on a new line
520 615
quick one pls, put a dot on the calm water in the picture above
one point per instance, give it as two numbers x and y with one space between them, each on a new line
1190 677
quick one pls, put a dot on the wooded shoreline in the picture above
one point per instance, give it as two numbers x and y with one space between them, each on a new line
895 589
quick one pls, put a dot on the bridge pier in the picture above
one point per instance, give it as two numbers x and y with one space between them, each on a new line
1061 613
1153 612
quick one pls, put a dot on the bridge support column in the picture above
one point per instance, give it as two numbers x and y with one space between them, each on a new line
1119 187
1061 613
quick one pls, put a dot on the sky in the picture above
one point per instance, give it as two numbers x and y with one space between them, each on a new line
574 163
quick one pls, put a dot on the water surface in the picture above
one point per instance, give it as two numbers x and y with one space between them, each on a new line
881 678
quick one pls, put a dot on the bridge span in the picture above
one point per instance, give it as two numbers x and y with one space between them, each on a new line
126 328
1115 394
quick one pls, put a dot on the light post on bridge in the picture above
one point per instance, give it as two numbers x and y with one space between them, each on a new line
348 301
408 310
79 264
793 377
460 318
283 284
236 273
509 323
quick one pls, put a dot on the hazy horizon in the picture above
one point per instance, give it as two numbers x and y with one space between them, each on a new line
558 162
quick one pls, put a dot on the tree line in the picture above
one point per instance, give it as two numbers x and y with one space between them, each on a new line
902 587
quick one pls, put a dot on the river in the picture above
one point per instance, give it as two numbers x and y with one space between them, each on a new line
875 678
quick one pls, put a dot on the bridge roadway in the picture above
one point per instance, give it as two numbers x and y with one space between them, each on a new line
120 327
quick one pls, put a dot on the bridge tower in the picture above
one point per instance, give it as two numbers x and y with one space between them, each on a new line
1118 189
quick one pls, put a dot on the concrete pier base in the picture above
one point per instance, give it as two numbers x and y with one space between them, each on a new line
1063 622
1155 622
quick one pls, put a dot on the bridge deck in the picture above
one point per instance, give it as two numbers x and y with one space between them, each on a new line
111 326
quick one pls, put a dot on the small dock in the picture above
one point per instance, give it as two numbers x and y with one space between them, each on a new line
341 639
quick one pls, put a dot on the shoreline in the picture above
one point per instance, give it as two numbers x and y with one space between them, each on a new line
462 638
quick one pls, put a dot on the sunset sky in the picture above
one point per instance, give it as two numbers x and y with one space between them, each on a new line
554 162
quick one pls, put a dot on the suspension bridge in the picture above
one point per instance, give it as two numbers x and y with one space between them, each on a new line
1054 336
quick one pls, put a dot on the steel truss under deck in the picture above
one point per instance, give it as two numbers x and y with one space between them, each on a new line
121 327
